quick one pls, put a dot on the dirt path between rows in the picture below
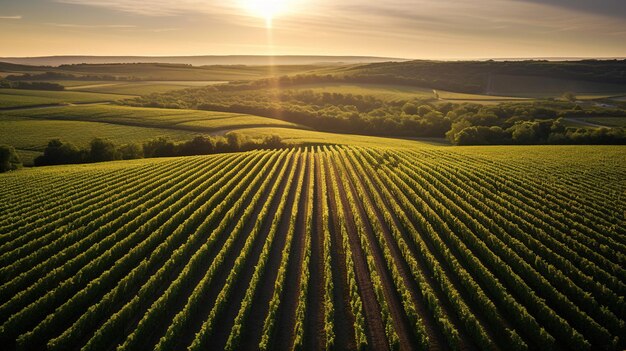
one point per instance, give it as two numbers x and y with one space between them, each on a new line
375 327
314 337
284 336
435 336
343 318
400 320
224 269
453 278
253 325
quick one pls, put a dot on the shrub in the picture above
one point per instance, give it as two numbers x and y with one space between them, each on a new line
9 160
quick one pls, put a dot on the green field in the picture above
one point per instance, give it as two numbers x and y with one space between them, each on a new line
190 120
299 137
175 72
30 137
133 88
607 121
329 241
596 122
414 247
388 92
29 130
11 98
543 87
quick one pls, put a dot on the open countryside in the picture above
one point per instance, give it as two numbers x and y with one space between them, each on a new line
312 175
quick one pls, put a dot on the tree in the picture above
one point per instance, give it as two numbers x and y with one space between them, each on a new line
58 152
198 146
130 151
103 150
523 133
409 108
273 142
9 160
160 147
456 128
235 141
424 109
481 135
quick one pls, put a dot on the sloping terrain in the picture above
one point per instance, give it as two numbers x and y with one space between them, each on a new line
490 248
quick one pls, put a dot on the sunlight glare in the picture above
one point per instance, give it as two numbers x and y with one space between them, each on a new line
267 9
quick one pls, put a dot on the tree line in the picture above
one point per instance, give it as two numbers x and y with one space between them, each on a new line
66 76
463 124
59 152
332 112
525 124
6 84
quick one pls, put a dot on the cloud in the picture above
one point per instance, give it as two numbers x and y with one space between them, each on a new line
487 18
156 7
162 30
111 26
11 17
609 8
453 26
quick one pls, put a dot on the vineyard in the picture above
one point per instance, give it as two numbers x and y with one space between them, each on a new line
324 247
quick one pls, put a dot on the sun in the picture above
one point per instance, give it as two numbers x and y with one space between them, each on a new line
267 9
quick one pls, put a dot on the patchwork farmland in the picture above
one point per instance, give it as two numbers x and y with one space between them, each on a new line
324 247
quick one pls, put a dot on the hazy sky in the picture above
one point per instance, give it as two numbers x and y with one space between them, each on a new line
394 28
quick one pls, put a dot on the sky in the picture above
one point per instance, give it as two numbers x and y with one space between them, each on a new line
418 29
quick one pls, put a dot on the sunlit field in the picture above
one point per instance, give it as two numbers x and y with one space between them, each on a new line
312 175
337 247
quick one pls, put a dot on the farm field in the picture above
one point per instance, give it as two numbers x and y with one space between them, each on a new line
194 120
608 121
135 88
395 93
403 92
29 130
12 98
344 247
596 122
300 137
542 87
190 176
30 137
177 72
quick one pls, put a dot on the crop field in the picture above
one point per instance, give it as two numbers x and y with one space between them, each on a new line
11 98
195 120
536 86
179 72
608 121
299 137
30 137
499 94
342 247
29 130
388 92
133 88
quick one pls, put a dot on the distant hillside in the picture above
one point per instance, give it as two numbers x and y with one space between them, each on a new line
251 60
159 71
497 77
533 78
